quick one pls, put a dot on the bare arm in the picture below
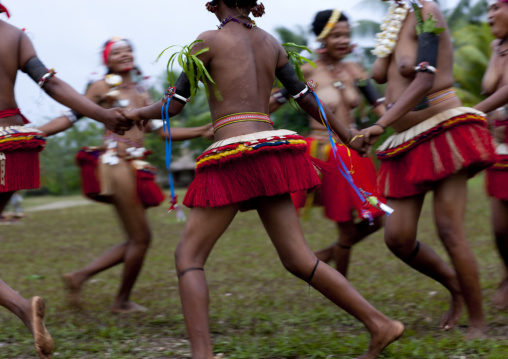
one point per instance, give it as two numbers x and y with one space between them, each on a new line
65 94
497 99
56 125
186 133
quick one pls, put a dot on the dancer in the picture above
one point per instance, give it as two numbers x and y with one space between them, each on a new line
340 84
495 85
438 145
252 166
116 173
19 147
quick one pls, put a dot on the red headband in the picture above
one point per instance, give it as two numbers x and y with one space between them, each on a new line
109 46
4 9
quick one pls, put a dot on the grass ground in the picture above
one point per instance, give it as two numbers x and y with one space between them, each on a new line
257 309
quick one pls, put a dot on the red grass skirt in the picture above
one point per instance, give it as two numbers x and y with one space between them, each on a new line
19 158
148 192
243 168
452 141
335 194
497 175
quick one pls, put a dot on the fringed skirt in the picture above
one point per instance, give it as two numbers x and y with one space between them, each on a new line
243 168
452 141
497 175
96 186
335 194
19 158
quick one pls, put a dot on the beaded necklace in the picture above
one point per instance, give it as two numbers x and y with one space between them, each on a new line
248 25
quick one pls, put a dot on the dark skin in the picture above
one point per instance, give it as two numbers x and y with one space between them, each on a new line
405 89
243 63
495 85
330 68
15 50
132 214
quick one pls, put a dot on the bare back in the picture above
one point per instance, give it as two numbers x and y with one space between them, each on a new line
15 50
242 62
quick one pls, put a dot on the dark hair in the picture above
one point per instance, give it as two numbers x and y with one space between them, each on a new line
322 18
234 3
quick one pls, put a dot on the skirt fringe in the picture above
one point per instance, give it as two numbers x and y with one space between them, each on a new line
456 146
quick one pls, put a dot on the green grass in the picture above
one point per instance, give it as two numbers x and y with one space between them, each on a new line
257 309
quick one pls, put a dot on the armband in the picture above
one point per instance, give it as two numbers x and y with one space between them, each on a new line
309 88
425 67
369 92
35 69
426 59
45 78
281 96
72 115
171 93
156 125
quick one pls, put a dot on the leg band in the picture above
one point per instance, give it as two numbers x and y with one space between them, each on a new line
343 246
181 273
413 254
313 271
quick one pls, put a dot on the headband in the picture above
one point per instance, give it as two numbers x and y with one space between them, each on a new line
115 41
330 24
4 9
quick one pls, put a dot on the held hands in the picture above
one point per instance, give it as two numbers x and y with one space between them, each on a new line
114 121
207 131
358 143
372 133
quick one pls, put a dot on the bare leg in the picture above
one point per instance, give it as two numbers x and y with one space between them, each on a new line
202 230
350 233
450 197
283 227
400 237
31 312
499 212
131 252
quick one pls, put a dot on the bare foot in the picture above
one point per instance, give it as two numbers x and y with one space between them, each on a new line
476 333
500 300
73 288
44 344
451 317
385 336
127 308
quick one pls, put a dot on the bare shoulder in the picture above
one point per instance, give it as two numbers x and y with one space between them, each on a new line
356 70
97 90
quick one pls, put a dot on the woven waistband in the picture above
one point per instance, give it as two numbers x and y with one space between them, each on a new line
240 117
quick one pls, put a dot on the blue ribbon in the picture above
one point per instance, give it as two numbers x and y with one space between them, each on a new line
165 122
342 168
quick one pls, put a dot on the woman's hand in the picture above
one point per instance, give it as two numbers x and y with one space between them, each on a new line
372 133
358 143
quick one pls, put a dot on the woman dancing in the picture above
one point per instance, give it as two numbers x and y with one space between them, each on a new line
116 173
495 85
438 146
251 166
19 147
340 85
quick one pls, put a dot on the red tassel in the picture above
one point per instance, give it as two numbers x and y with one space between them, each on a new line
466 146
87 162
497 179
4 9
272 172
21 171
149 193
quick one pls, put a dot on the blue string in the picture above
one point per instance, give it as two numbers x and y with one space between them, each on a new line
165 122
342 168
